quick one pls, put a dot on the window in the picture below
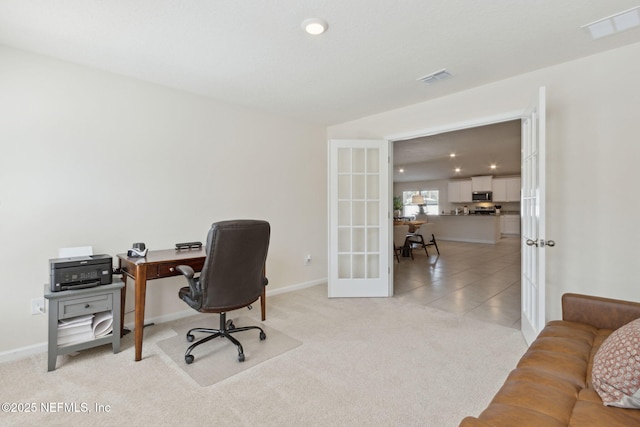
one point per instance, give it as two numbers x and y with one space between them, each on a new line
431 198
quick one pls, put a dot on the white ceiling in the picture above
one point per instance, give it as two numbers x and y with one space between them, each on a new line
254 52
476 149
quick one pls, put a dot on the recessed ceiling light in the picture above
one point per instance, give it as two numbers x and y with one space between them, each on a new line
314 26
401 170
457 170
452 155
493 166
615 23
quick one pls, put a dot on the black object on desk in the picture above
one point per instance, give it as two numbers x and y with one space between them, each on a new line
188 245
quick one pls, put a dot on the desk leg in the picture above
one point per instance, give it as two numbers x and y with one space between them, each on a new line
141 291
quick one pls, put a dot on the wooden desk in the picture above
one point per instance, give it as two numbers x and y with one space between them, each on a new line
157 265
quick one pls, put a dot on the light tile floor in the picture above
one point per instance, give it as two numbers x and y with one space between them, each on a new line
476 280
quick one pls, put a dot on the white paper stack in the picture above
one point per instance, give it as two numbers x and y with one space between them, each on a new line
102 324
75 330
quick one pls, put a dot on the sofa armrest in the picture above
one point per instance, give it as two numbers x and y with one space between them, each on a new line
602 313
473 422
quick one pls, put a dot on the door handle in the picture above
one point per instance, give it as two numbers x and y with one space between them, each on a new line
540 243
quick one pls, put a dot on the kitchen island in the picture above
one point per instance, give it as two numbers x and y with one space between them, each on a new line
467 228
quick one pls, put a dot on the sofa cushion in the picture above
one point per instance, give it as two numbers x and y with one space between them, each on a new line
616 367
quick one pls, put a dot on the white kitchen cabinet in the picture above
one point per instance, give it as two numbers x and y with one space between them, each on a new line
460 191
481 183
513 189
506 189
465 191
510 224
499 189
454 191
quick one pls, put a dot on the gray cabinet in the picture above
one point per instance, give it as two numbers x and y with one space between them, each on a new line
69 304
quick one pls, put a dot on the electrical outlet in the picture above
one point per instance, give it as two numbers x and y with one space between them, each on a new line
307 259
37 306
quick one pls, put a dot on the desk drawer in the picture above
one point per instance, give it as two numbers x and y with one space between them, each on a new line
169 269
87 305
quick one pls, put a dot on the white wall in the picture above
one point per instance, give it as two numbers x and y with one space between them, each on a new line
92 158
592 159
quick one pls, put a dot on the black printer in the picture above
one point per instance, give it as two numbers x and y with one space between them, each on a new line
80 272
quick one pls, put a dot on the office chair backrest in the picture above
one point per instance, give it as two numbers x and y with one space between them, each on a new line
233 273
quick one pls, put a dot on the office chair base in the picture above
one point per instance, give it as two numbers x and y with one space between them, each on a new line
226 329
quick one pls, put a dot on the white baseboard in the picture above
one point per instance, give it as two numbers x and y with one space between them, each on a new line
22 352
465 240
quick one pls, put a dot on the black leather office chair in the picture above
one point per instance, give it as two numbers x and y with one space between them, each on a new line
232 277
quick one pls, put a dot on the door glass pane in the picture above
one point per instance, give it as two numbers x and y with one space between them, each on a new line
359 244
344 266
373 240
358 187
344 186
373 266
358 216
344 160
344 240
372 186
359 267
373 157
344 213
358 163
373 213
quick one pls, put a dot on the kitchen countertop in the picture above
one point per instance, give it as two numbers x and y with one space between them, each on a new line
477 215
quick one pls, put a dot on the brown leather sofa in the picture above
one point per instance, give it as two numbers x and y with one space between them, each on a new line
551 385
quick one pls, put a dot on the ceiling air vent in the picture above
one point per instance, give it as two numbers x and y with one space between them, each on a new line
615 23
435 77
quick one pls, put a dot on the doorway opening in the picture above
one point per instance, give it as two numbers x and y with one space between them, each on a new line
480 279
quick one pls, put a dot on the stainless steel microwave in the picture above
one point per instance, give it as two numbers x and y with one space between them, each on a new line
481 196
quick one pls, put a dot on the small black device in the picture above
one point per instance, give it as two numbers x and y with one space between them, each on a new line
80 272
138 250
188 245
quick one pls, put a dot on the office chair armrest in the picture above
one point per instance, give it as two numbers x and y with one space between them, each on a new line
186 271
194 283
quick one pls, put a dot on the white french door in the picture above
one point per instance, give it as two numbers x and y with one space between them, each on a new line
533 218
359 217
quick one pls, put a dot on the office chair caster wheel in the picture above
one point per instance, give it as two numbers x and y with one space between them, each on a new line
190 339
241 357
189 359
263 336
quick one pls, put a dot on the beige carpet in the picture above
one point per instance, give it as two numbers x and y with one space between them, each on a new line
218 359
362 362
